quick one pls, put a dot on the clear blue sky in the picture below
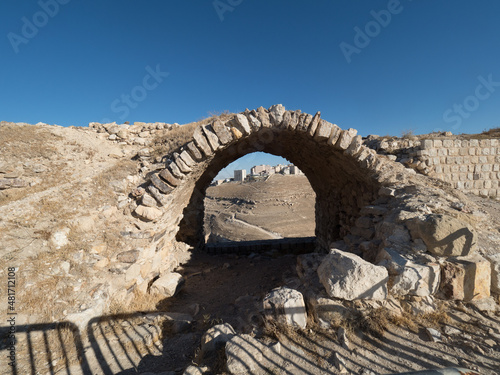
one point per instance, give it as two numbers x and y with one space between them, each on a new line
381 67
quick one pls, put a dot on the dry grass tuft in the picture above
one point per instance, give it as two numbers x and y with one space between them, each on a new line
174 139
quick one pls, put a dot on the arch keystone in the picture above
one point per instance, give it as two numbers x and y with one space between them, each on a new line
276 113
263 116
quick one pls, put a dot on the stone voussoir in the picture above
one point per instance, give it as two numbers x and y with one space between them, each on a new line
201 141
222 132
159 184
213 140
314 124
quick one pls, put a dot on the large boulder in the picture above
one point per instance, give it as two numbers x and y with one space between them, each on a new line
347 276
443 235
286 306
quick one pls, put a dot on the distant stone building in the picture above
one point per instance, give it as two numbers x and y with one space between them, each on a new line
260 169
240 175
295 170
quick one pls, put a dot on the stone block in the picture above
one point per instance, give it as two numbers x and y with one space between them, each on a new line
286 306
194 151
323 131
443 235
347 276
263 117
169 177
254 121
159 184
224 134
148 213
314 124
466 278
346 138
495 272
212 138
187 159
168 284
276 113
201 141
241 123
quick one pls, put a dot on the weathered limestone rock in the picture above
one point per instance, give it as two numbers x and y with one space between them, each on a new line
159 184
213 140
314 124
194 151
347 276
222 132
148 213
201 141
187 159
254 121
216 338
129 256
169 177
263 117
408 277
242 123
476 281
443 235
8 183
180 163
324 130
417 279
495 272
245 355
147 200
327 310
346 138
286 306
276 112
168 284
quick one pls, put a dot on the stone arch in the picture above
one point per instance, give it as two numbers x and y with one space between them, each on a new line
345 175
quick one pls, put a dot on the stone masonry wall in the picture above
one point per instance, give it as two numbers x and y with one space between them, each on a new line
468 164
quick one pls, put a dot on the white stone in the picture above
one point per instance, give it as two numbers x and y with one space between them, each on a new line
168 284
495 272
286 306
347 276
417 279
148 213
60 238
216 337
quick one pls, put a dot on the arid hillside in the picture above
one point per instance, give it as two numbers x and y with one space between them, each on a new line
281 206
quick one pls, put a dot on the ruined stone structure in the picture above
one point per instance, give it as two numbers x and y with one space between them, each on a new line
367 203
345 175
468 163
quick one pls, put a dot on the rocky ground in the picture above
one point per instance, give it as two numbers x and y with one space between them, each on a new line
66 228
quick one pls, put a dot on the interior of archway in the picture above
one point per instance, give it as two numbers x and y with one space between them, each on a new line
342 188
273 205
